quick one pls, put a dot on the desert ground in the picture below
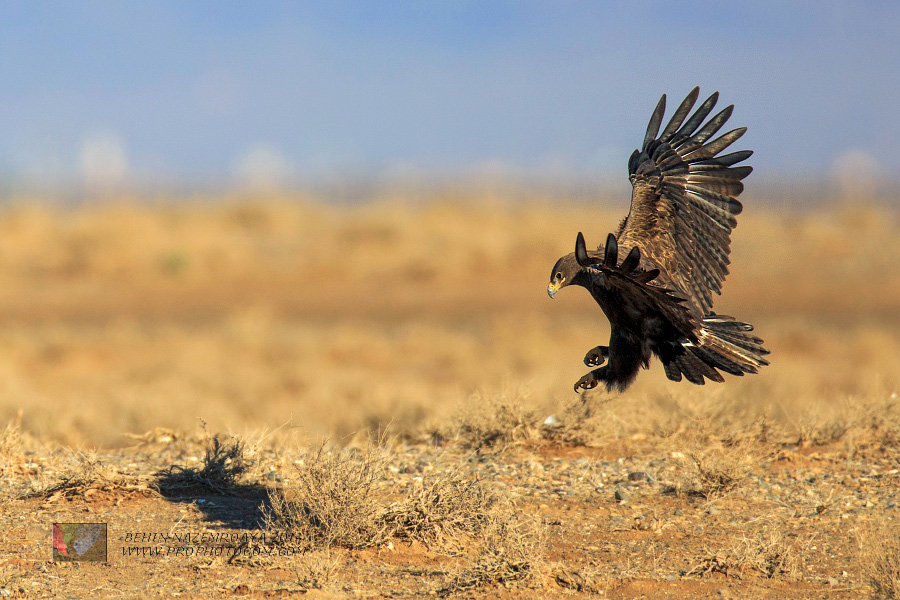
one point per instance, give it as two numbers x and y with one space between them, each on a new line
264 395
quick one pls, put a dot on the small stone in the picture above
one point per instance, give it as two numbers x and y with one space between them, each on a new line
677 512
670 578
712 510
833 581
622 496
638 476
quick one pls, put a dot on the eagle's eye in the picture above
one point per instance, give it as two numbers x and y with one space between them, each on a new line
557 277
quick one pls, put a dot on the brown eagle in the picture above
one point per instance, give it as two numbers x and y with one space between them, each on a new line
676 238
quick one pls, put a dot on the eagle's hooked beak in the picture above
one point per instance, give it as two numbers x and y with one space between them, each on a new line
554 287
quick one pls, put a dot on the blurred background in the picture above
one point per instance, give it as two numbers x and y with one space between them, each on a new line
341 216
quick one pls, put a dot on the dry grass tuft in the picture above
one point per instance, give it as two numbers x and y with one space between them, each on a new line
883 421
766 553
717 472
91 480
510 550
315 570
495 423
223 464
712 470
11 441
334 501
879 559
770 555
341 499
444 510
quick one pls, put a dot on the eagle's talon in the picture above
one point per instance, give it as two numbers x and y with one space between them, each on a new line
588 382
596 356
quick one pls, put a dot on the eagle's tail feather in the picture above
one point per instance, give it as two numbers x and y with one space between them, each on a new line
724 344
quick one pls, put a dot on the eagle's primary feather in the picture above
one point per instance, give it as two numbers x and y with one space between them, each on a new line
678 237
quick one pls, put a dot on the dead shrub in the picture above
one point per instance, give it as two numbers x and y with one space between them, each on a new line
578 424
444 509
90 479
315 570
510 549
770 555
766 553
879 558
717 472
824 431
883 421
340 499
495 423
711 471
333 502
11 442
223 464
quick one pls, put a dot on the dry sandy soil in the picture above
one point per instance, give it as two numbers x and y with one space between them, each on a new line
391 390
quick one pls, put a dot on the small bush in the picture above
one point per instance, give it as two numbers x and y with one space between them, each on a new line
712 472
315 570
445 508
334 501
223 464
495 423
880 559
510 550
765 553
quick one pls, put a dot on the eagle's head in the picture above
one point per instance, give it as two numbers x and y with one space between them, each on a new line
571 268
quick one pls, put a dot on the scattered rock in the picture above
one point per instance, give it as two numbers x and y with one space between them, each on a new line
622 496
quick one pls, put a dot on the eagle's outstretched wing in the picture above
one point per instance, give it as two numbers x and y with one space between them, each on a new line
684 199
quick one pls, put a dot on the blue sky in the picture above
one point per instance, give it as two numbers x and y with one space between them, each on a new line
224 91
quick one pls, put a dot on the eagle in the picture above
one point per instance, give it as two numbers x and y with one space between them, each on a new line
676 240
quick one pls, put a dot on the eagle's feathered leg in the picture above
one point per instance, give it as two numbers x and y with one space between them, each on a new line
596 356
626 356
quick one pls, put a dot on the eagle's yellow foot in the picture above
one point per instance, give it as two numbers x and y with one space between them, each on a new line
596 356
591 380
